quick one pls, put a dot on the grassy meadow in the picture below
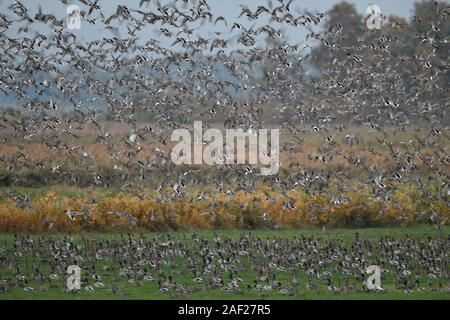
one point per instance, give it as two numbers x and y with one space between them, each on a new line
121 287
84 197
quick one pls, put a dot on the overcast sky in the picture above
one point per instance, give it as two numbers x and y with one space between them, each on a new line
228 8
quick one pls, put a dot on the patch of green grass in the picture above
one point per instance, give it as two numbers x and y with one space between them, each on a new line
149 290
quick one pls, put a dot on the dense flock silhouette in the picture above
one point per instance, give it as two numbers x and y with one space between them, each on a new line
359 109
187 265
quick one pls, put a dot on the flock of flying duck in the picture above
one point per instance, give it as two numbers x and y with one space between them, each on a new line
64 86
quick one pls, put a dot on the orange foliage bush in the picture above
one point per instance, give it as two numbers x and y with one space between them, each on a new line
247 211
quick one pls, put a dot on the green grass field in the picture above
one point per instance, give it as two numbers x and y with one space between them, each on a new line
117 287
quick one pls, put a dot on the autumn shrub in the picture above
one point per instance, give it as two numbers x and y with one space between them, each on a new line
120 211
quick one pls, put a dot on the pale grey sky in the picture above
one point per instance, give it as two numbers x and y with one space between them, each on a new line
228 8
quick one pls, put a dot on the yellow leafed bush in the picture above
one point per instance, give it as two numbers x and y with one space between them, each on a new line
123 212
